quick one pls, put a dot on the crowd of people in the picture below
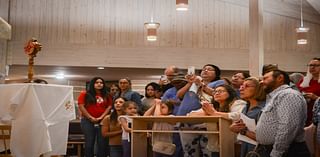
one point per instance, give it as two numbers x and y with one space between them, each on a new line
282 106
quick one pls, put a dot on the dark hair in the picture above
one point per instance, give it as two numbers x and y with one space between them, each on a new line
232 97
90 97
155 86
170 104
127 103
115 84
228 82
129 81
316 58
216 69
114 115
277 73
245 74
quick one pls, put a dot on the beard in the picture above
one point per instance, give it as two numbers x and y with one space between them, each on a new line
268 88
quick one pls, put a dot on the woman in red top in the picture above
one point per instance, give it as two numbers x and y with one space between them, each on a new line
310 86
94 104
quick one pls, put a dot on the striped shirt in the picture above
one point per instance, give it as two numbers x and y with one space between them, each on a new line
282 120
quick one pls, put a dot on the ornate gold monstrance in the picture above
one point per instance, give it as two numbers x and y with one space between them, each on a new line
31 49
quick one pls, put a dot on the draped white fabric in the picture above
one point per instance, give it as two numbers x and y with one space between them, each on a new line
40 116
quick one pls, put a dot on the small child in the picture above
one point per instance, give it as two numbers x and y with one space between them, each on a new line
130 109
162 109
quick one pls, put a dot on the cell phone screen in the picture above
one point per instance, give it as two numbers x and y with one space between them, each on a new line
191 70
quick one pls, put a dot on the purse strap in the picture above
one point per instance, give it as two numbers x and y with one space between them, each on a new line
254 152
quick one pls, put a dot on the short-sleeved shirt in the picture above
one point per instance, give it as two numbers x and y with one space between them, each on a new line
97 109
171 94
125 135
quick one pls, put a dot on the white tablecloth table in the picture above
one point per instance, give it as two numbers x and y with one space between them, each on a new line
40 115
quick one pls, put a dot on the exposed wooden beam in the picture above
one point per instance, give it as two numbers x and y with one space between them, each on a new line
256 51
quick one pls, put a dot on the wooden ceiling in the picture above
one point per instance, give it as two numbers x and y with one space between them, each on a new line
178 35
315 4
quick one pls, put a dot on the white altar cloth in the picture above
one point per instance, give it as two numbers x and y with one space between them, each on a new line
40 115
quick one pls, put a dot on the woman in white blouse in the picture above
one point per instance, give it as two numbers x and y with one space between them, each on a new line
226 103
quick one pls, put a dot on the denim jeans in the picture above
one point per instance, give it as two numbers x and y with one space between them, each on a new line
92 135
126 146
115 150
318 132
176 140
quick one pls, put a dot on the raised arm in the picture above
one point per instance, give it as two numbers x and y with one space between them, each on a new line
157 110
185 89
150 111
124 124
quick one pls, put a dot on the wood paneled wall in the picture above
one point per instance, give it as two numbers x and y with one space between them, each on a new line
111 33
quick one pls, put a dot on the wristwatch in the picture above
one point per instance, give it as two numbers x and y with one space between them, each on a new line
244 131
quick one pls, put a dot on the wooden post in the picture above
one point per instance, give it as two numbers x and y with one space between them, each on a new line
256 51
4 14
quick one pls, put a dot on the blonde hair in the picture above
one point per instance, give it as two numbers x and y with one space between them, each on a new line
259 93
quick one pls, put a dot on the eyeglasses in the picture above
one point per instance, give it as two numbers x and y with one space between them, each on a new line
313 65
246 86
218 92
208 69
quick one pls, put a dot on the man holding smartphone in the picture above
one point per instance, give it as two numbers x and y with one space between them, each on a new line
169 73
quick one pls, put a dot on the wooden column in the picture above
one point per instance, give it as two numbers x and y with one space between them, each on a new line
4 13
256 52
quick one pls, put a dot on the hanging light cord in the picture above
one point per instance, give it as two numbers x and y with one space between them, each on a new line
152 11
301 22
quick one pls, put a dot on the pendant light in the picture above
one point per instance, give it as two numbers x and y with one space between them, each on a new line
152 30
152 27
302 31
181 5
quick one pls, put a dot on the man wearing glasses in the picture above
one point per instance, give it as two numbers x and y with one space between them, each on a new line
310 86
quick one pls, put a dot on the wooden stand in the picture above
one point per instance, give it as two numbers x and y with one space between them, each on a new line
139 132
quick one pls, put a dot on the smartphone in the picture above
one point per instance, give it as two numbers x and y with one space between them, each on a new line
191 70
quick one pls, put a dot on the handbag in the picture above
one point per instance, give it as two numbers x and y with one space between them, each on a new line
164 147
260 151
